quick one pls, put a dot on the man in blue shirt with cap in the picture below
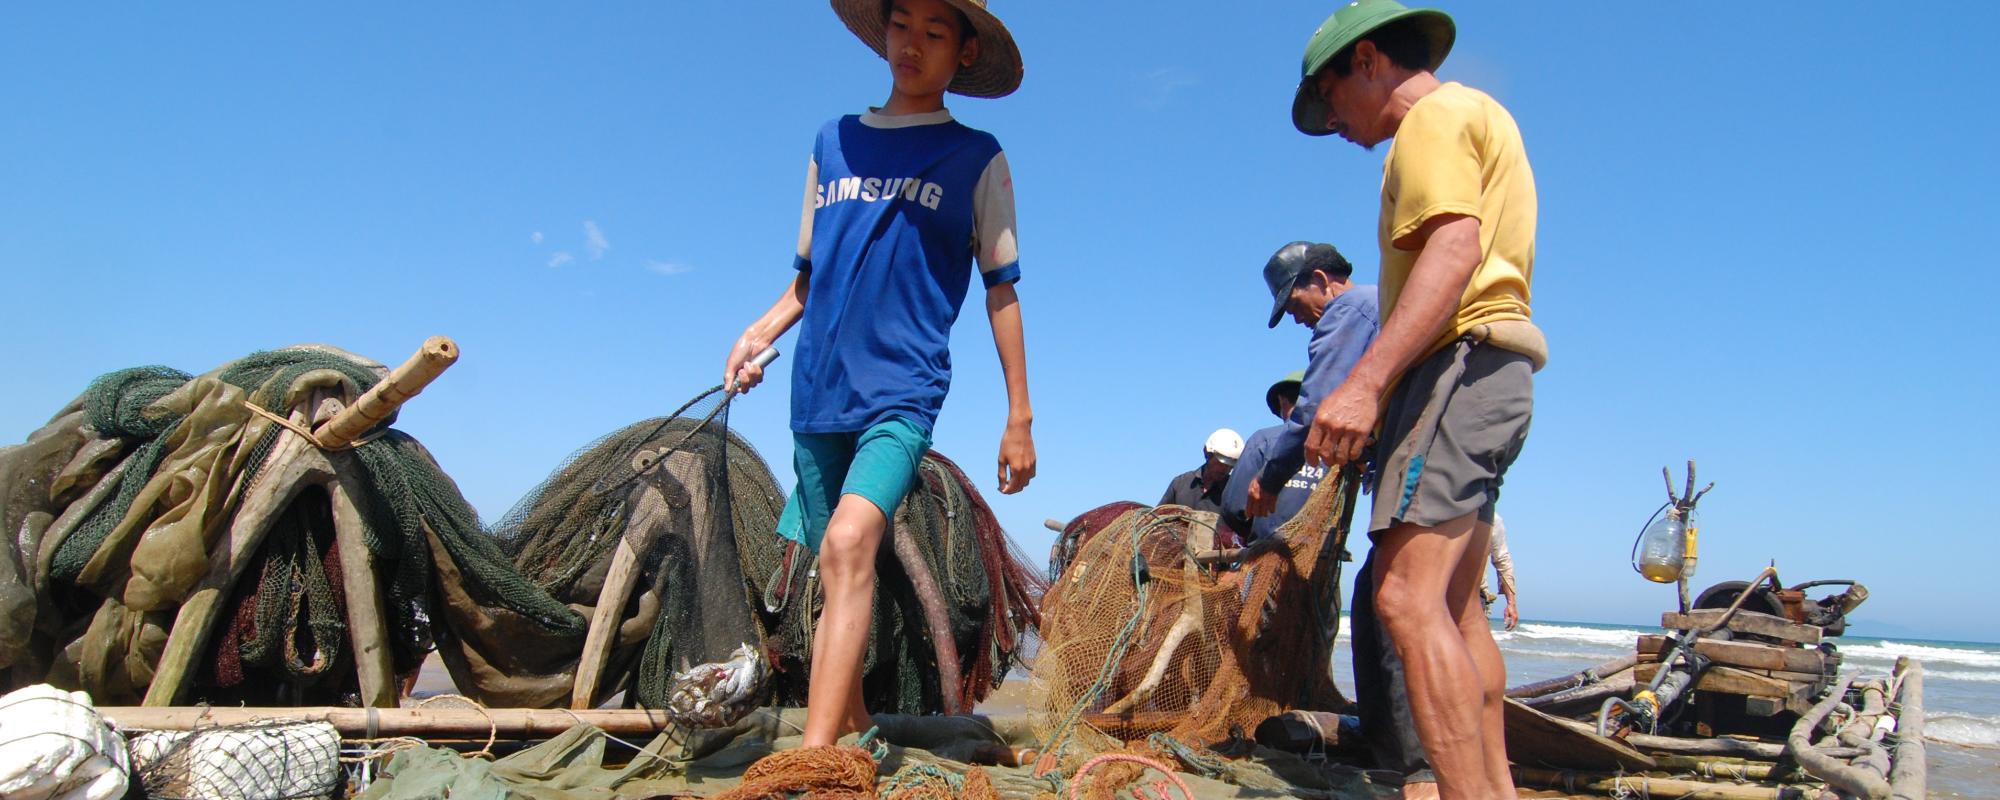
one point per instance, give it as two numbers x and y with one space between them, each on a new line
1311 282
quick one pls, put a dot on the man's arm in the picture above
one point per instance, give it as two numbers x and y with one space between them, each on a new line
761 334
1449 254
1017 444
1332 355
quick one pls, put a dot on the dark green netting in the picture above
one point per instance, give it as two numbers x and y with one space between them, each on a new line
287 613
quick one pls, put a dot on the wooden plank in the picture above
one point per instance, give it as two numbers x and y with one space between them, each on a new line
649 508
366 627
1728 680
1752 655
1538 739
1744 622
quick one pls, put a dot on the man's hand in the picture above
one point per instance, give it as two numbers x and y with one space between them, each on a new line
1512 616
1342 425
741 372
1261 504
1017 458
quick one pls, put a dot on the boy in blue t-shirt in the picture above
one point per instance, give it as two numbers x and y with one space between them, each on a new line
900 204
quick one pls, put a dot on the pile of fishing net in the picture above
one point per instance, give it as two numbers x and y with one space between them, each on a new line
183 530
1151 633
690 509
178 538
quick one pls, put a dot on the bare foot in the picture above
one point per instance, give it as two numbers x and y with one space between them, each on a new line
1420 790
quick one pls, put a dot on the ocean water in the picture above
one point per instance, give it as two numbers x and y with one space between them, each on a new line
1961 686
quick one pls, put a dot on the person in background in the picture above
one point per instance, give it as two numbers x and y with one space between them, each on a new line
1311 282
1280 398
1503 566
1201 488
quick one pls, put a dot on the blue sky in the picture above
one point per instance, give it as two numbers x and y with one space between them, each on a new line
1766 243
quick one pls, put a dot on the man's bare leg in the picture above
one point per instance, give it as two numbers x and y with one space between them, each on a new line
1413 592
1477 631
847 574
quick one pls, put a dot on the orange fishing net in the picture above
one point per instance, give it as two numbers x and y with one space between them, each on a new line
1141 637
829 771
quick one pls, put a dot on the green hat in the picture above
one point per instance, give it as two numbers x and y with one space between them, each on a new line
1290 383
1351 24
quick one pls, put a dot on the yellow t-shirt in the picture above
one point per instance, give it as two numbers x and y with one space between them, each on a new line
1459 152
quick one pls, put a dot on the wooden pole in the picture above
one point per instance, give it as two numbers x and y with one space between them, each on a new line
937 619
366 628
1645 786
541 723
1578 679
375 405
1907 774
648 515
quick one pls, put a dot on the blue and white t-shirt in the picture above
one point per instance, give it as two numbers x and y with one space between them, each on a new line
898 210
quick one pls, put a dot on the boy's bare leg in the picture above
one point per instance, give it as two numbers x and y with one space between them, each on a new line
1478 633
847 574
1420 567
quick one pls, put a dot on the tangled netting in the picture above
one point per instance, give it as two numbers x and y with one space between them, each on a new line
144 512
1077 533
1141 638
133 501
689 506
953 600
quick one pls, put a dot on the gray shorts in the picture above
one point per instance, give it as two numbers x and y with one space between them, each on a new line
1451 428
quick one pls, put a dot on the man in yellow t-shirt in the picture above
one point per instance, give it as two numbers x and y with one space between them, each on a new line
1446 389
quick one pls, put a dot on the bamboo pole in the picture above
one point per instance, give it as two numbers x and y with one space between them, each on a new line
1575 680
541 723
1645 786
1728 768
1907 774
1719 746
378 403
366 627
506 723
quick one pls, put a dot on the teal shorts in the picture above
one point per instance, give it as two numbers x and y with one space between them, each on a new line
879 464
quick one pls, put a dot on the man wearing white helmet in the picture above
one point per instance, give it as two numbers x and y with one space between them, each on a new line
1201 488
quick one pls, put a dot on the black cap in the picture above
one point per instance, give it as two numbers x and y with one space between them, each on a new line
1294 260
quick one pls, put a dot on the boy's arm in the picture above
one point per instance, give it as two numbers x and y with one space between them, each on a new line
761 334
1017 444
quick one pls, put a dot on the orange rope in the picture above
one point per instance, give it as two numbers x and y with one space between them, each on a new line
1076 781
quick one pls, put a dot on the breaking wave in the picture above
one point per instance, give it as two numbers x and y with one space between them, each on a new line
1963 729
1620 639
1931 655
1961 675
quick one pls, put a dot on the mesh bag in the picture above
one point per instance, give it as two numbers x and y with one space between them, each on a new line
1140 639
258 761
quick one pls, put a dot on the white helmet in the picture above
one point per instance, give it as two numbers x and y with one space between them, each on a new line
1225 444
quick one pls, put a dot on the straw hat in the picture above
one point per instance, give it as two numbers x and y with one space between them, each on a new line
997 71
